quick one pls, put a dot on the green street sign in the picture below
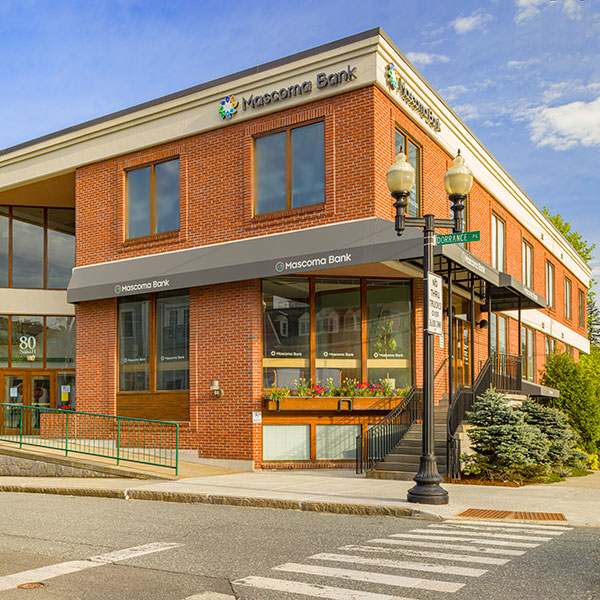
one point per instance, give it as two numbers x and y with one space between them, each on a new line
457 238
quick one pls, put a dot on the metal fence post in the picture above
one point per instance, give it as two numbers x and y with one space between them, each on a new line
21 428
118 438
67 434
177 449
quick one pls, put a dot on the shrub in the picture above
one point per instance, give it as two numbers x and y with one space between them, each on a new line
506 446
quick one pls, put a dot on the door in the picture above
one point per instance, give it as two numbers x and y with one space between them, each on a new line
462 353
25 392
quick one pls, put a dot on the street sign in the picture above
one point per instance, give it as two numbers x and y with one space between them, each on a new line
457 238
435 310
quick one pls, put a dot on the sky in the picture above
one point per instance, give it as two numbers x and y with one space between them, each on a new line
524 75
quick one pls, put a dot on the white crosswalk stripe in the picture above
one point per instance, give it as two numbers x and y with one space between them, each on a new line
400 564
446 529
484 560
427 544
387 561
381 578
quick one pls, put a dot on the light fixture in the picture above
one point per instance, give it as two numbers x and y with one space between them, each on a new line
400 180
458 181
216 389
483 324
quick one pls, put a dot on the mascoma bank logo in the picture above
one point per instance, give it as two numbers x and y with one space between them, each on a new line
118 289
228 107
279 267
393 76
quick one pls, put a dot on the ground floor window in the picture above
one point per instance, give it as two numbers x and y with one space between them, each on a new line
499 333
286 442
327 329
528 352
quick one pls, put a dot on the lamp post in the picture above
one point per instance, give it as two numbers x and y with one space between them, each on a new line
457 181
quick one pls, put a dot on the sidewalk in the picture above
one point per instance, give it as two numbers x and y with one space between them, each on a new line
577 498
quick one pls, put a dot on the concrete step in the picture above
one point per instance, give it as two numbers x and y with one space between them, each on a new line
398 475
406 466
417 443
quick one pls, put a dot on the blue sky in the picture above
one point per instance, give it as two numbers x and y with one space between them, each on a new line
523 74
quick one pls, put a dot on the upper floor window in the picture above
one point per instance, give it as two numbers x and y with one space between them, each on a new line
550 284
499 333
528 353
153 199
568 310
581 307
527 259
37 246
413 155
550 347
289 168
497 243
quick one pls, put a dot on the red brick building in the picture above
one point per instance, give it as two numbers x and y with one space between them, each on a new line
237 237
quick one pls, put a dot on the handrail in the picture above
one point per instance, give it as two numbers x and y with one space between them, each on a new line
129 439
375 443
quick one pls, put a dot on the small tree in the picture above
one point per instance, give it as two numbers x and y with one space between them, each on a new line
507 447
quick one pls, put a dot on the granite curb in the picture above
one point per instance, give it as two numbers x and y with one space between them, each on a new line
340 508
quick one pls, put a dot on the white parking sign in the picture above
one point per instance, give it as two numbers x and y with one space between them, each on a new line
435 311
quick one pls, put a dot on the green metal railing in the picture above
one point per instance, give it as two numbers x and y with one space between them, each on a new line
120 438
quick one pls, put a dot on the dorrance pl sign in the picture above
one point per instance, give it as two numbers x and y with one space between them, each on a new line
435 310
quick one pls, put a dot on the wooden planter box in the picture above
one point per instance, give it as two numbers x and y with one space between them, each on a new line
331 403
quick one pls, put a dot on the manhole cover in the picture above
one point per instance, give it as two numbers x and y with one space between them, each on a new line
32 585
482 513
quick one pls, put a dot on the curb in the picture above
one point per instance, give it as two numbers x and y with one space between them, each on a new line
189 498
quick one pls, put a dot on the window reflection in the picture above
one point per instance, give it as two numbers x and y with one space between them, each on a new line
4 244
134 367
270 173
27 337
138 202
172 342
28 247
60 342
61 247
308 165
167 195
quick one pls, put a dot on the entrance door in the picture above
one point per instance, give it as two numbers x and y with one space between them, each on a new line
462 353
25 389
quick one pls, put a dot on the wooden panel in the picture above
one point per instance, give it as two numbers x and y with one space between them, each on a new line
163 406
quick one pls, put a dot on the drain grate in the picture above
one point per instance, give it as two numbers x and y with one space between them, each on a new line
483 513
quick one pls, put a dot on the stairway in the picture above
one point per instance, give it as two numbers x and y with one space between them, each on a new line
403 461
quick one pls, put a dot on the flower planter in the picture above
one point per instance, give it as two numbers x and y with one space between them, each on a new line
331 403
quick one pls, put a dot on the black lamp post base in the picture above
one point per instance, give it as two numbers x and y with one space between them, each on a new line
428 489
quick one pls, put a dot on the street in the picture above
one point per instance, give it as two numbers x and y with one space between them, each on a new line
97 548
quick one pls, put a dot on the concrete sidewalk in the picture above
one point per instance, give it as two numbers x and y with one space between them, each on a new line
331 491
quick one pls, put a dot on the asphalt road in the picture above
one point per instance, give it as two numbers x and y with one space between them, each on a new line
96 548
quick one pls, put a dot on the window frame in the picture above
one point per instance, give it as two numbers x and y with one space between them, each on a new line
527 269
288 169
581 308
496 338
568 298
398 129
499 265
152 346
152 199
550 289
525 374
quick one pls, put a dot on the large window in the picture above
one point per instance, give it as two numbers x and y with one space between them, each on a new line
289 168
153 199
527 261
528 350
499 333
550 347
37 247
328 329
581 308
154 342
403 143
550 284
36 342
568 308
497 243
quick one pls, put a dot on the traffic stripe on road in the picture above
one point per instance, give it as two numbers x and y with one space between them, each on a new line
447 536
485 560
370 577
446 529
462 526
400 564
316 591
548 528
9 582
427 544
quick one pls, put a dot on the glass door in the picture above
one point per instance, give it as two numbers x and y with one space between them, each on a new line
14 394
462 353
40 389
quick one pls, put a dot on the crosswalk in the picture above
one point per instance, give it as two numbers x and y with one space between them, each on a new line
442 557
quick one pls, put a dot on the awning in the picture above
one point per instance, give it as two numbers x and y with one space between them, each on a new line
506 295
537 389
358 242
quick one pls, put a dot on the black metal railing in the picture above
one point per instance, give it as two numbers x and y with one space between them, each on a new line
505 373
375 443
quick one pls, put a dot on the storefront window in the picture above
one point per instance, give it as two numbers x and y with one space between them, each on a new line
389 340
60 342
172 342
286 331
27 335
134 352
61 247
66 389
338 330
286 442
28 247
336 442
4 245
4 335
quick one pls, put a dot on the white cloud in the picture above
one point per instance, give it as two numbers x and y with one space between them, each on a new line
520 64
426 58
454 91
528 9
554 91
492 123
563 127
467 111
573 9
477 20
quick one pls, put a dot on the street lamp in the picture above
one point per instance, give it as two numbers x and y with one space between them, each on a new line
457 181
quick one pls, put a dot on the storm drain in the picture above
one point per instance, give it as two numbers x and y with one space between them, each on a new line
483 513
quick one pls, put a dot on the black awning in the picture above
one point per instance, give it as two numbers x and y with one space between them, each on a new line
537 389
506 295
